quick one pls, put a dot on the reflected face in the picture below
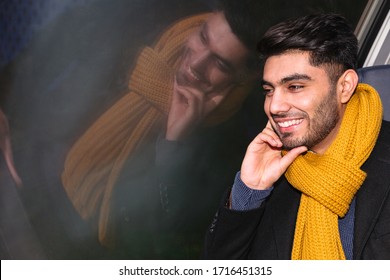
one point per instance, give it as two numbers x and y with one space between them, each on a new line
301 104
213 58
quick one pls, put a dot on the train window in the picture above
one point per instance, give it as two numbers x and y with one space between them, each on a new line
65 69
373 32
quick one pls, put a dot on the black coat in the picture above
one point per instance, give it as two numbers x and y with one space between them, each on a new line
268 232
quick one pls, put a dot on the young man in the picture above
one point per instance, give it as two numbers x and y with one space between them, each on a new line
136 170
314 184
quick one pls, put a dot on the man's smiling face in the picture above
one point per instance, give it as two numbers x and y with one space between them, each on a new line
213 58
301 103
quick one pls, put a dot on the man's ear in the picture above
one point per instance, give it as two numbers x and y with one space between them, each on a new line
347 84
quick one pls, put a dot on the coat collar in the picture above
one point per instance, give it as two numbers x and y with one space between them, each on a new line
374 191
284 215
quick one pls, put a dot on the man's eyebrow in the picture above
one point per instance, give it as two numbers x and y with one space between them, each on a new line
295 77
204 32
266 83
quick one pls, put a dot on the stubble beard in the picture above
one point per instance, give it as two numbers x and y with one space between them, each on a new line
325 119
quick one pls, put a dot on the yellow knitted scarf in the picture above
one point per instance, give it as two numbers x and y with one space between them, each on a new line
330 181
95 161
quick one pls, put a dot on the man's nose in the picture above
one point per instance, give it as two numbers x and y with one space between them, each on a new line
278 102
200 63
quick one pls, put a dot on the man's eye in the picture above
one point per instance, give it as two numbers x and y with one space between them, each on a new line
203 38
267 91
295 87
222 66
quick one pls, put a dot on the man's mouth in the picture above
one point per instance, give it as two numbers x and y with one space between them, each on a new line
192 74
289 123
191 78
188 77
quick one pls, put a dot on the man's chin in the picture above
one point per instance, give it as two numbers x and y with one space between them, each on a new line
289 144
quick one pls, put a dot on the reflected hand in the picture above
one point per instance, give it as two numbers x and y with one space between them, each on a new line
263 163
189 107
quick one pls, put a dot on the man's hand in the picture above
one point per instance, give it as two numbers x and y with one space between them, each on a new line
263 164
188 108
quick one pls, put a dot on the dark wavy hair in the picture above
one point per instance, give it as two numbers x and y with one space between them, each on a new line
327 37
246 20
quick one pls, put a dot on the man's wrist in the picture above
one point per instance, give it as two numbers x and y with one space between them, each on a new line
244 198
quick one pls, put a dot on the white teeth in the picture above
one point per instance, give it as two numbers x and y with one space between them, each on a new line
193 74
289 123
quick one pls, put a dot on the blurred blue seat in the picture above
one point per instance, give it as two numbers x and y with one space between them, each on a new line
379 77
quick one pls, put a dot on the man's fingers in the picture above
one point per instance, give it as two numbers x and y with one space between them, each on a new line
292 155
195 101
269 136
269 125
271 139
190 91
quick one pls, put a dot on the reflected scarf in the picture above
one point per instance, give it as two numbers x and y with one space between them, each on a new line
96 160
330 181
